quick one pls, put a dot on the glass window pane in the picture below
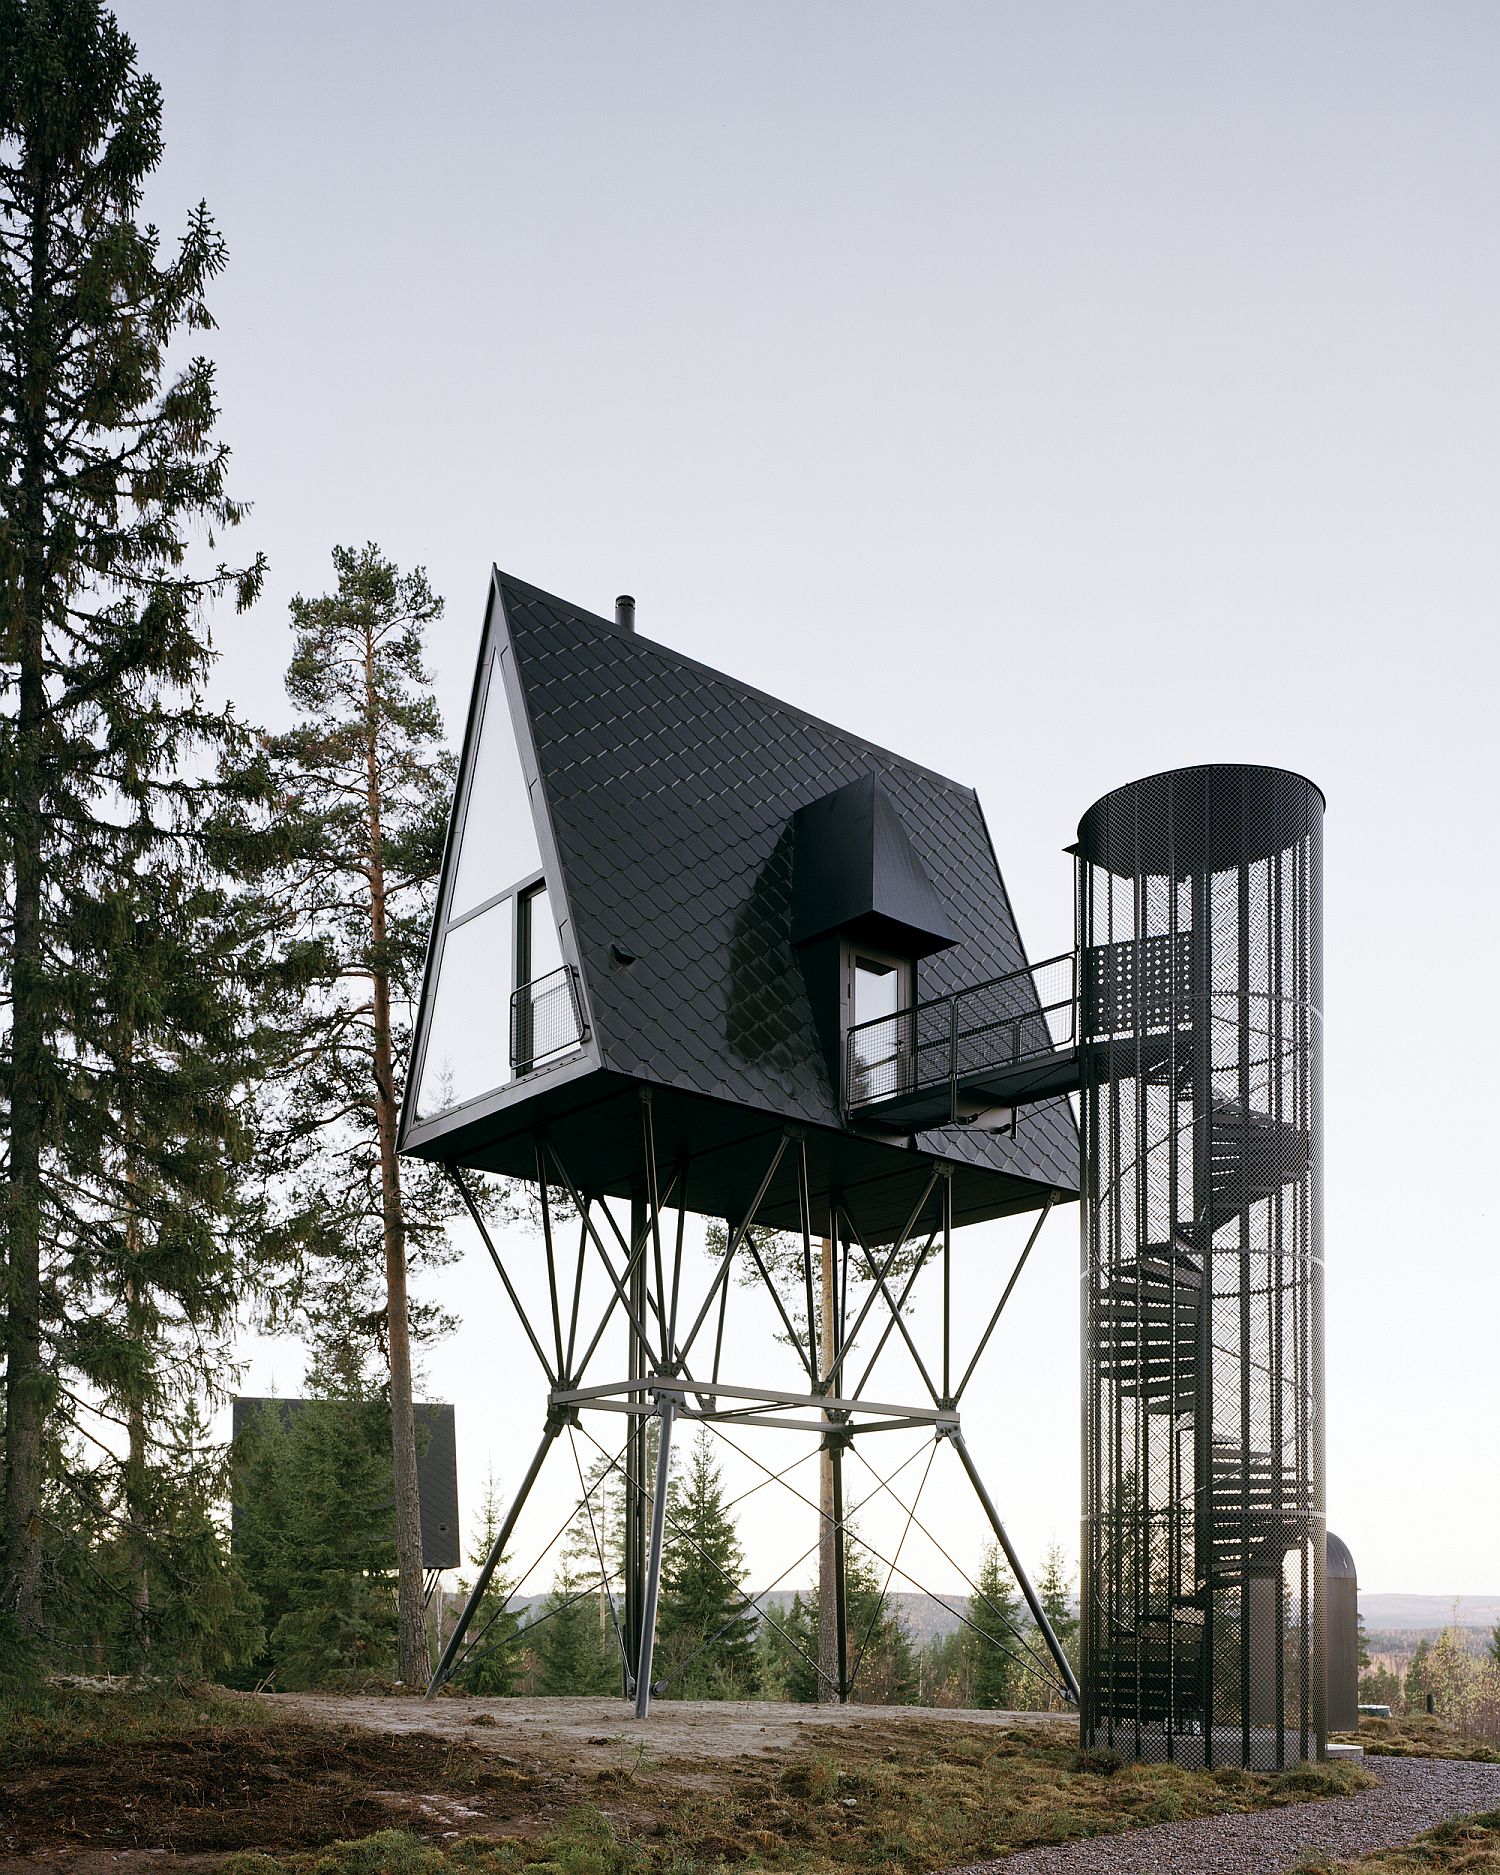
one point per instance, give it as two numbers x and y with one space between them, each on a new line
877 989
468 1038
498 842
880 1056
544 952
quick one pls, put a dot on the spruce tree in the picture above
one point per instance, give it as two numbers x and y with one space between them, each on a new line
366 788
1054 1590
120 1132
575 1652
703 1626
492 1665
882 1661
995 1615
783 1257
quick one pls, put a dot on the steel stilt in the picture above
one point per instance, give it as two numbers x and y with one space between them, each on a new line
667 1404
840 1588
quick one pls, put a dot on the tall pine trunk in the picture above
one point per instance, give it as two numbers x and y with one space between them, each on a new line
413 1660
137 1329
26 1380
137 1509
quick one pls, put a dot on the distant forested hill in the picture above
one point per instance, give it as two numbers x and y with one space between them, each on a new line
1429 1611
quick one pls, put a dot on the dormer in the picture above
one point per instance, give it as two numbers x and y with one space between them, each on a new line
864 913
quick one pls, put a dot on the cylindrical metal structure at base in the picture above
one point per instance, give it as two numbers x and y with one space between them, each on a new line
1343 1638
1199 925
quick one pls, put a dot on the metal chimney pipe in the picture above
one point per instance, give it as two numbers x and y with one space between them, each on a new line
625 612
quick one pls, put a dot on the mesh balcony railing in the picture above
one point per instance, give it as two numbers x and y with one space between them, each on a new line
546 1019
954 1041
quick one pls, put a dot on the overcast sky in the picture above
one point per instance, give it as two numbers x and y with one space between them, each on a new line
1055 393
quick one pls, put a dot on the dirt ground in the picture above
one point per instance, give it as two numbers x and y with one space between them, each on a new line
589 1733
105 1782
293 1771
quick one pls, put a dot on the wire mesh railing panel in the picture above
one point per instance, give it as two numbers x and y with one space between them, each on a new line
546 1019
987 1028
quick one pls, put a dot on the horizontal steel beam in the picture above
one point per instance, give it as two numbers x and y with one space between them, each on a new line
771 1396
711 1417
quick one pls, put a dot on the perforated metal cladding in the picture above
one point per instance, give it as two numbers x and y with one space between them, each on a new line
1203 1533
671 791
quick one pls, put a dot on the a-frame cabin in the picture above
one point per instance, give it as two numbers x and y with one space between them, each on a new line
658 877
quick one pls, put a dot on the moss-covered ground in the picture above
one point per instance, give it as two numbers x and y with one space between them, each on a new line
226 1782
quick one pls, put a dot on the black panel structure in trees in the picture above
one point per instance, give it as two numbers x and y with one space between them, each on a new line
684 935
1203 1582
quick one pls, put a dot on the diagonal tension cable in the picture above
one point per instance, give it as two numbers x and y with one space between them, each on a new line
599 1547
713 1564
874 1620
1043 1664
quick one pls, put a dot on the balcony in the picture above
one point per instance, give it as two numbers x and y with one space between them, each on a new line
546 1020
958 1059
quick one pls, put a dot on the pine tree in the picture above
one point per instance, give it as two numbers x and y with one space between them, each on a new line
108 463
702 1619
574 1656
367 787
1054 1590
1493 1650
492 1665
995 1615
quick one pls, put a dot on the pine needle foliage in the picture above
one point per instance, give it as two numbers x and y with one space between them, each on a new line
492 1665
706 1636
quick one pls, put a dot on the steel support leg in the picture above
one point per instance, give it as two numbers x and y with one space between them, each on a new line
840 1595
666 1413
497 1550
1038 1615
635 1465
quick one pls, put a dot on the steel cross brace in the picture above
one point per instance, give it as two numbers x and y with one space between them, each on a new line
663 1386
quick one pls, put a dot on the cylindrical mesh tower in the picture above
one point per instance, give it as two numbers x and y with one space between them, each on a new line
1199 919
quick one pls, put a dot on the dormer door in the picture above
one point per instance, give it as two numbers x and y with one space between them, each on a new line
877 987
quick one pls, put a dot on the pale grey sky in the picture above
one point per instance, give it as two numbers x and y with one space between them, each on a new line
1054 392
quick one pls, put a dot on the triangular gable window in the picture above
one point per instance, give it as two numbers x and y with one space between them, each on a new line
501 999
498 843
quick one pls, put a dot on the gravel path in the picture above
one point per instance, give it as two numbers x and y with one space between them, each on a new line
1415 1794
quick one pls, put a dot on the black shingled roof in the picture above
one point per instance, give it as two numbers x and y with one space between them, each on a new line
669 789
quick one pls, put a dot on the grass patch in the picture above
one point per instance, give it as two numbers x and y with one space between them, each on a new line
1468 1846
294 1796
1418 1735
